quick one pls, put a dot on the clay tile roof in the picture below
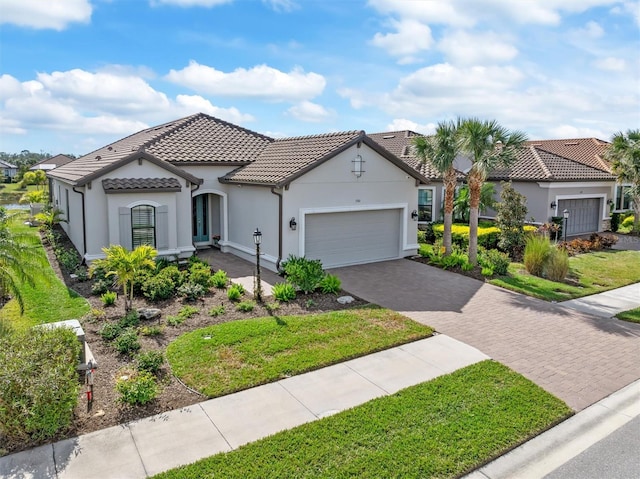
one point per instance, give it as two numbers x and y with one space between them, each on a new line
400 143
114 185
285 159
536 164
588 151
194 139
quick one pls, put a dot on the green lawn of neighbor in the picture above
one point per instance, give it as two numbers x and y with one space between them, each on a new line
632 315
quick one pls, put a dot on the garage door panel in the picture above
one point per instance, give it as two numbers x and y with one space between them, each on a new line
584 215
353 237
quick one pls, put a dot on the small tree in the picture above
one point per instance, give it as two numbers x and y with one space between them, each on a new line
511 213
462 205
125 266
624 153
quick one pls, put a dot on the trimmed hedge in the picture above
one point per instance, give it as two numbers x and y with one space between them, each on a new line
38 383
487 236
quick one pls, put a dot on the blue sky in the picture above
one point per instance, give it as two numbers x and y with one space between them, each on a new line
78 74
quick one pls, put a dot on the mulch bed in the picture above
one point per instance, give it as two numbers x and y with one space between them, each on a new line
105 410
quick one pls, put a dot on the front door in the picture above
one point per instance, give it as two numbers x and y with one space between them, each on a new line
200 208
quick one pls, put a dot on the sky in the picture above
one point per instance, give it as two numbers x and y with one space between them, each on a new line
76 75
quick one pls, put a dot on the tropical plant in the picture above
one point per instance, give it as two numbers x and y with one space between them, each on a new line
462 202
441 151
50 217
126 266
624 154
536 253
35 196
489 146
19 262
284 292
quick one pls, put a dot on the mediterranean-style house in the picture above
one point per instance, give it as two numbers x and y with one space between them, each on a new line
7 170
199 181
554 175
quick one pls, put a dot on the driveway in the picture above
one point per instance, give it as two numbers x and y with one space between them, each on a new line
579 357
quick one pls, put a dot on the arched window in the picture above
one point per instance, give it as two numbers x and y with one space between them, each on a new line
143 225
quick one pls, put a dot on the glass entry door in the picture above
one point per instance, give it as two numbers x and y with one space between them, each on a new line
200 208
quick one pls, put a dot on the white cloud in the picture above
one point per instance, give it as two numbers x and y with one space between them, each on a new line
570 131
411 38
309 111
591 30
262 82
439 12
399 124
628 8
50 14
464 48
189 104
610 64
281 5
190 3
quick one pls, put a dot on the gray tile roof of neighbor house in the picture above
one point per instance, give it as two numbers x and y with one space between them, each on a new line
116 185
195 139
52 163
535 164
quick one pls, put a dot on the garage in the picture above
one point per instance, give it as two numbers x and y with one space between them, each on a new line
353 237
584 215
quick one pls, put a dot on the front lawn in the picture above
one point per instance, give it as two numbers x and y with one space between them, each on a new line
442 428
50 300
228 357
589 273
632 315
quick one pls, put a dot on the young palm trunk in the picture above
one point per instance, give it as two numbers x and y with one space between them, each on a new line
475 188
450 186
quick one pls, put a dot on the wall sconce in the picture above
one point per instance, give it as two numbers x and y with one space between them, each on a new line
609 201
414 215
553 205
357 166
292 224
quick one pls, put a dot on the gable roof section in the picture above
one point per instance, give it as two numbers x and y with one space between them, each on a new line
535 164
140 185
286 159
196 139
588 151
4 164
51 163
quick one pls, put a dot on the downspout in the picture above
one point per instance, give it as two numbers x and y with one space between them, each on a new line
279 195
193 243
84 227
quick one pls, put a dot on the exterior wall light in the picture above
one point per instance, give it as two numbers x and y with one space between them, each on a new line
292 224
414 215
357 166
553 205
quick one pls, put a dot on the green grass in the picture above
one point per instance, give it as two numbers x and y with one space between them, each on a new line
442 428
48 301
632 315
228 357
590 273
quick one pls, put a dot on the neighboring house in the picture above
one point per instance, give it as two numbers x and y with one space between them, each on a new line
49 164
553 175
337 197
7 170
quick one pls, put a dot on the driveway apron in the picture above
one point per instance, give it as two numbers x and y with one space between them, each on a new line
579 357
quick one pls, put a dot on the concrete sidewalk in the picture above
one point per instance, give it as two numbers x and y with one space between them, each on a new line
158 443
609 303
550 450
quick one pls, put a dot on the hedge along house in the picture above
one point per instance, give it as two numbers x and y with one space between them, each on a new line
200 181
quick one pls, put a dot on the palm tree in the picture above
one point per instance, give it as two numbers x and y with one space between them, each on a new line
489 146
19 262
624 153
125 265
441 151
461 205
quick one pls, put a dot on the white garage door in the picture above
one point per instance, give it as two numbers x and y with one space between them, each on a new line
354 237
584 215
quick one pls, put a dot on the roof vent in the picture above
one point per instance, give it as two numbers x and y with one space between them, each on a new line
406 151
388 137
572 143
110 148
98 158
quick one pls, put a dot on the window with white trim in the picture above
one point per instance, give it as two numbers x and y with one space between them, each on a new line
425 205
143 226
623 200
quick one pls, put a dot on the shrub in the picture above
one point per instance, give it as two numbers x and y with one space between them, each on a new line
187 312
100 287
615 221
68 259
174 274
39 383
220 279
154 330
426 233
511 213
330 284
200 274
487 271
127 342
158 287
136 387
109 298
536 252
594 243
191 291
175 320
628 221
305 274
246 306
273 306
217 310
235 292
110 331
150 361
96 314
557 265
496 260
131 319
284 292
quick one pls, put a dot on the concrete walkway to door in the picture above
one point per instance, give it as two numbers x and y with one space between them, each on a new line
579 357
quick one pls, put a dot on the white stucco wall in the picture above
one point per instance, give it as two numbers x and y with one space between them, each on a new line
72 211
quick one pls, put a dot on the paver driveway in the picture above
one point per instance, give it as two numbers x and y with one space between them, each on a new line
579 357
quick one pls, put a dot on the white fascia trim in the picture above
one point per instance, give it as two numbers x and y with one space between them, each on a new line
302 212
575 184
605 215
